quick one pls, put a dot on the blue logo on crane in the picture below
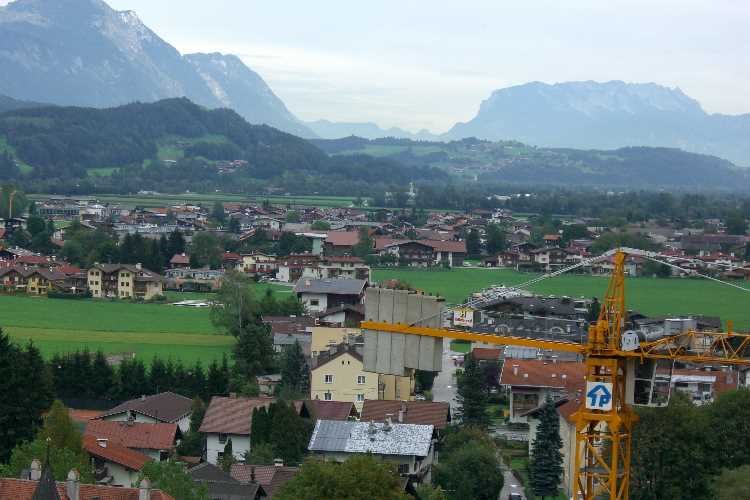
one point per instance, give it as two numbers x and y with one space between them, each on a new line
600 397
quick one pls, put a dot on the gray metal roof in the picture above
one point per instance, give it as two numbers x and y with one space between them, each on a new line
332 286
364 437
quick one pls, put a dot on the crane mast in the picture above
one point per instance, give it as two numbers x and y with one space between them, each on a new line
604 430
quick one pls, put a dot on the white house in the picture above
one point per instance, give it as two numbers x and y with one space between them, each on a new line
229 418
113 463
165 407
319 295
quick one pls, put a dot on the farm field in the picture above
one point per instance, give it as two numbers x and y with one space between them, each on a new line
59 325
651 296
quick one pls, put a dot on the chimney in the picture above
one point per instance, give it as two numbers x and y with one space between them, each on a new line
144 489
102 442
72 486
36 470
233 395
388 422
515 369
143 397
402 413
138 266
278 462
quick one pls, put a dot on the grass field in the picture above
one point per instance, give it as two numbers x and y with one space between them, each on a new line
58 325
648 295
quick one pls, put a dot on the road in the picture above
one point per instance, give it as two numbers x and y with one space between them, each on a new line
510 484
444 386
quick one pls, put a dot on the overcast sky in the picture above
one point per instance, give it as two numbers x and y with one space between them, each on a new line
430 63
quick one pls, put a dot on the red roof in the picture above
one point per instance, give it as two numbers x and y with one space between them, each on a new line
134 435
231 415
342 238
270 477
83 416
329 410
437 245
21 489
116 453
541 373
432 413
486 354
230 257
33 259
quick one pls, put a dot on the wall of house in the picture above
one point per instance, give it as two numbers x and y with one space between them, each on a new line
345 370
183 423
397 388
240 445
322 337
315 302
122 476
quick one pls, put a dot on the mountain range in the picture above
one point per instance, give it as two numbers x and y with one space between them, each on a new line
84 53
608 115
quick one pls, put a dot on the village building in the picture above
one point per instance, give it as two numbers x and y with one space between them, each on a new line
157 441
319 295
124 281
165 407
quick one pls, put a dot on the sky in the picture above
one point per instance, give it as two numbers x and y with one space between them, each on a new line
429 64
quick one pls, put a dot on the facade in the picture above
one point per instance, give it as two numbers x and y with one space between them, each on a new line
344 267
318 295
341 377
123 281
258 263
292 267
423 253
113 463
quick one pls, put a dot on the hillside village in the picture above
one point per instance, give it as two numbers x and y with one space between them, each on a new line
325 256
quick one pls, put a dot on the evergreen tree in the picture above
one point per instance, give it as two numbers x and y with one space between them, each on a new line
545 465
164 250
473 243
290 433
472 394
260 429
127 250
176 243
198 380
227 458
102 376
218 212
158 379
295 375
192 444
217 380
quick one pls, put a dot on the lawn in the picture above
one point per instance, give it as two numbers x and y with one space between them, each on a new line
648 295
59 325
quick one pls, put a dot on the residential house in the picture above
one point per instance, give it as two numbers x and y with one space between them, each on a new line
39 483
114 464
157 441
552 240
342 316
530 381
269 477
325 339
338 267
258 264
551 259
423 253
124 281
409 446
267 384
186 279
287 330
320 295
179 260
229 418
340 242
292 267
340 376
222 486
165 407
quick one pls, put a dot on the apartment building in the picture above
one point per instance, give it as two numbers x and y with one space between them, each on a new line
123 281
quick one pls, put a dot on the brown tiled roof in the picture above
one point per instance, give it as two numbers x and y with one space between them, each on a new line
540 373
342 238
437 245
134 435
486 354
432 413
343 259
326 357
180 258
21 489
329 410
83 416
231 415
289 324
114 452
270 477
165 406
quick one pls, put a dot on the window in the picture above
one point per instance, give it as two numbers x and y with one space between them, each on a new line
222 438
360 398
314 302
360 379
328 379
327 396
403 468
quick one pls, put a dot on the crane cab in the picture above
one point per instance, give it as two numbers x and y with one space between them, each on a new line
648 382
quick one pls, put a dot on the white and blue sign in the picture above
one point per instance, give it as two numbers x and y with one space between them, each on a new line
598 396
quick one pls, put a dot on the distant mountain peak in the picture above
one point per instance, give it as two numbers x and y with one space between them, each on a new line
606 115
83 52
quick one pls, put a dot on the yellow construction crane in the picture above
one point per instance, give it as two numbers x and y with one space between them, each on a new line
622 368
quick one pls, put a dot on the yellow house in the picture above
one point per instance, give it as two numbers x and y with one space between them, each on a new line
123 281
341 377
324 339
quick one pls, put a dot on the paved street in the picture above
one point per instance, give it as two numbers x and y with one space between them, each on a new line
444 387
510 485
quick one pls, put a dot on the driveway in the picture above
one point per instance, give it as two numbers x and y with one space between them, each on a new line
444 387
